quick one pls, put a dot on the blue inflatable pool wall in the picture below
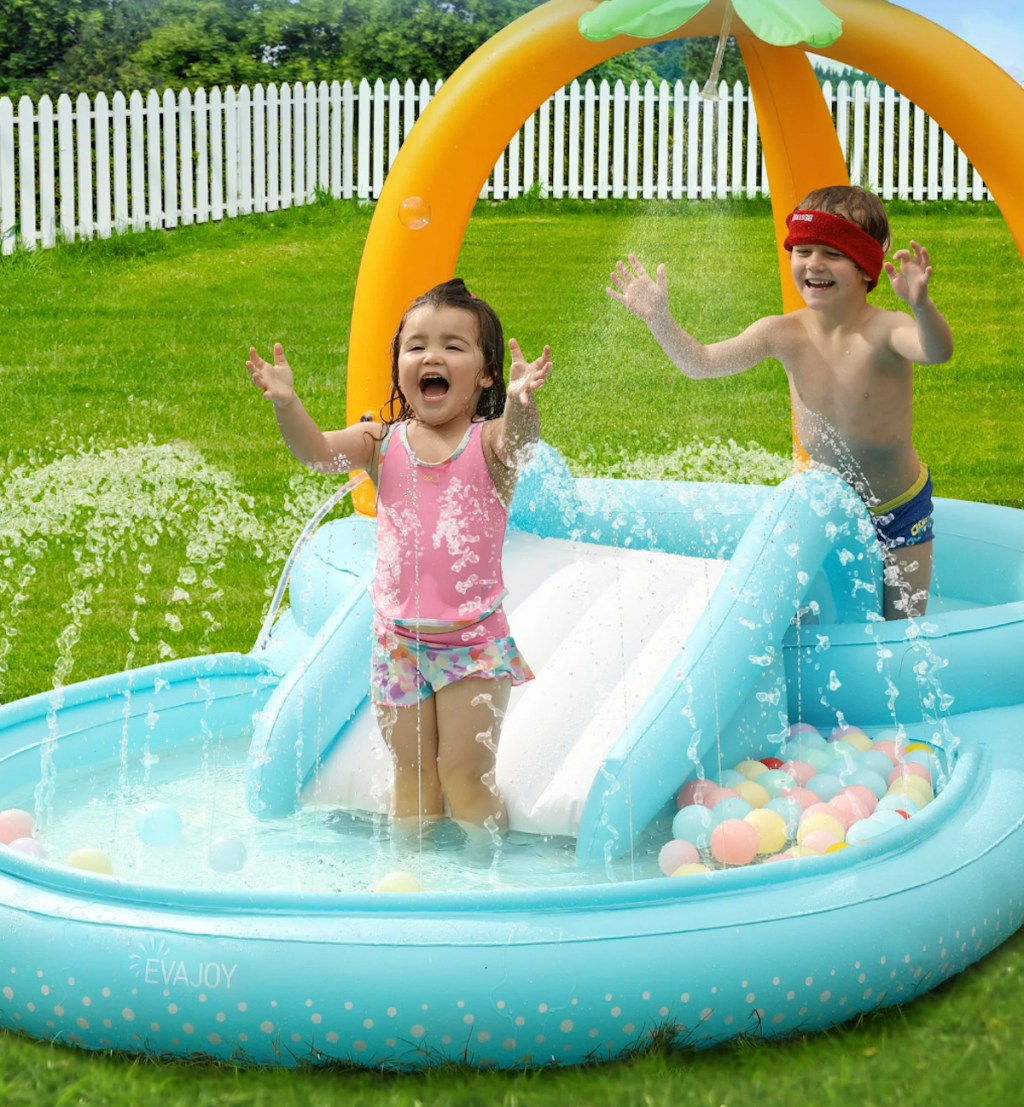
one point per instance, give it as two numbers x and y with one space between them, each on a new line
511 978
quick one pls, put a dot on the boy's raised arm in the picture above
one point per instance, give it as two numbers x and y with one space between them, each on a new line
647 298
927 340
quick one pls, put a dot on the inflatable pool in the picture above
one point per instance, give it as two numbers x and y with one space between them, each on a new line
724 614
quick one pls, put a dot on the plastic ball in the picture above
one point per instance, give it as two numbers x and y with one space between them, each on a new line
751 769
821 821
772 831
867 779
875 761
804 732
919 790
158 824
691 869
864 796
731 777
897 802
731 807
676 853
800 771
890 747
819 757
734 842
825 785
803 796
227 854
775 781
853 735
753 793
772 762
15 823
90 860
693 823
30 847
820 841
864 830
401 880
695 791
911 768
414 212
848 809
790 811
714 796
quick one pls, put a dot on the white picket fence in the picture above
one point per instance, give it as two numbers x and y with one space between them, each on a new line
94 167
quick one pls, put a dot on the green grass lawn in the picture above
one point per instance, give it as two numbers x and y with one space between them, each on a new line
148 505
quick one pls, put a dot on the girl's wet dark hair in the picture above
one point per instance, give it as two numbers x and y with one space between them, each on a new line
454 294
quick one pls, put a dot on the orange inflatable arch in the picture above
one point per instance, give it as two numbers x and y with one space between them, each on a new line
459 138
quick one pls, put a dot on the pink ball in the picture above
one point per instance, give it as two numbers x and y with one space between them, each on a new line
890 747
734 842
28 846
719 794
847 809
694 791
800 771
910 768
819 840
862 795
675 853
15 823
803 796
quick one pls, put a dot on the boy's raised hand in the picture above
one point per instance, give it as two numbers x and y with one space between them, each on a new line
634 287
524 378
910 280
274 379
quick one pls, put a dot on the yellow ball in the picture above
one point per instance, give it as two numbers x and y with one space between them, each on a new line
916 787
751 769
691 869
401 880
91 860
820 821
770 827
757 795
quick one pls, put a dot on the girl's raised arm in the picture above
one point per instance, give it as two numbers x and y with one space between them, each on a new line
519 426
337 451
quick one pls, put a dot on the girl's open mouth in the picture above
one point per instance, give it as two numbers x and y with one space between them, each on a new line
433 387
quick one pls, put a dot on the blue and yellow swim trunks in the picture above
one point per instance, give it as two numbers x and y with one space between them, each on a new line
907 519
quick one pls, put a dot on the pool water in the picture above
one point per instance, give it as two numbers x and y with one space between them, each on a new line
105 808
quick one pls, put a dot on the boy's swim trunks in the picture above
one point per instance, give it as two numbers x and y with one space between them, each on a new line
907 519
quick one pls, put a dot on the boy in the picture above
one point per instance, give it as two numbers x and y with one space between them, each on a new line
849 365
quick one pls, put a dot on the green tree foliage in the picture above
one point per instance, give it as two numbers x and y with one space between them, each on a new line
74 46
34 36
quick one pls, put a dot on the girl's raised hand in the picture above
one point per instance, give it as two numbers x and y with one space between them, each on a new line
910 280
524 378
634 287
274 379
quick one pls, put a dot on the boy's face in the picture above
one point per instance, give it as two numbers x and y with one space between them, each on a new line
823 275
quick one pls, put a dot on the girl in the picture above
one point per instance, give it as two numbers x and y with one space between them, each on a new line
444 460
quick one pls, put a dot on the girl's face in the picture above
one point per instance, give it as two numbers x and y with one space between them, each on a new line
441 369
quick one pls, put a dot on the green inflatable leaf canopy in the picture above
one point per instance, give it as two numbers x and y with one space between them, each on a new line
778 22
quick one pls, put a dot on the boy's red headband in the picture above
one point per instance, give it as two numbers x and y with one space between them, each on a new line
820 228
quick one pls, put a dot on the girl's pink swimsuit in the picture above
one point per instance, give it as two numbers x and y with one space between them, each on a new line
438 585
